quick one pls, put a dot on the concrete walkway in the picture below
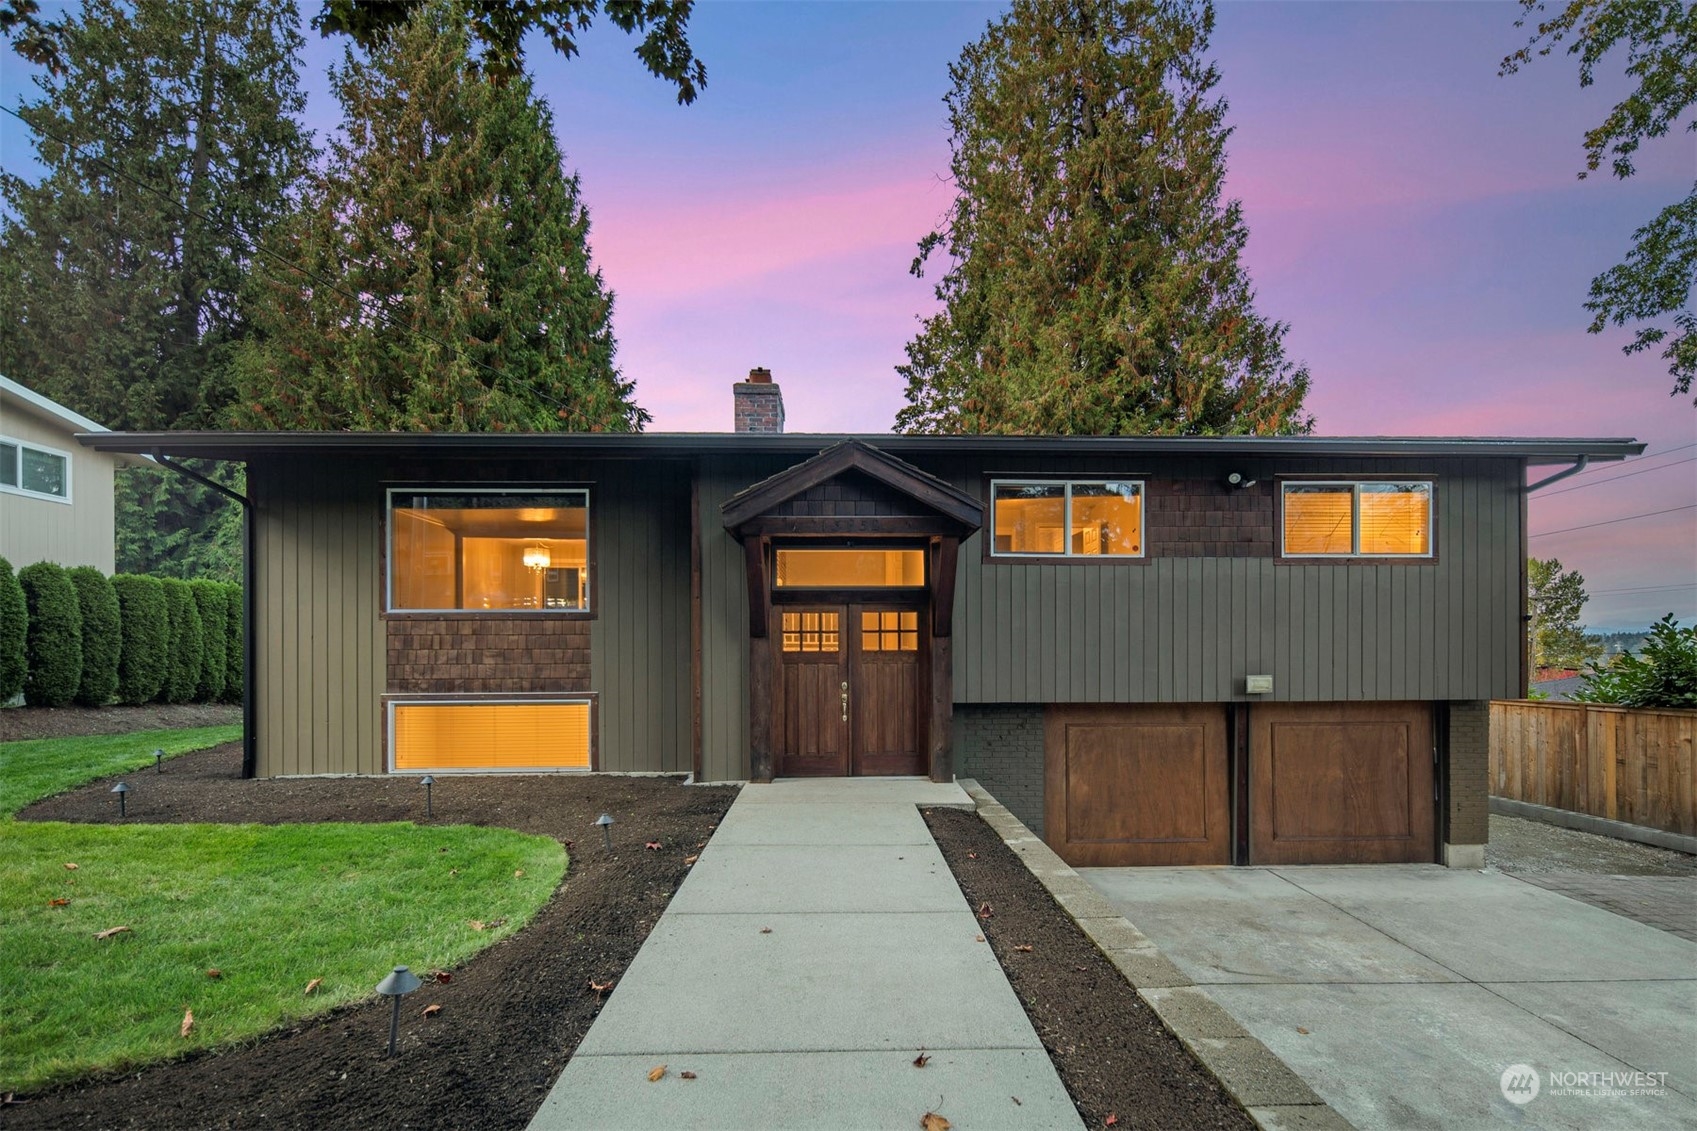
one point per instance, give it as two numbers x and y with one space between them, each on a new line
1402 994
817 946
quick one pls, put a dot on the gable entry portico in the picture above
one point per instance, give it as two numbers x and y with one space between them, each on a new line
851 588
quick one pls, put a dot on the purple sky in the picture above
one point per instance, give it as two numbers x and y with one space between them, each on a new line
1416 219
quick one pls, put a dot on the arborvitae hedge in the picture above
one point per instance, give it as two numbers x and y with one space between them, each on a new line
182 670
14 629
102 636
146 637
213 605
54 639
235 635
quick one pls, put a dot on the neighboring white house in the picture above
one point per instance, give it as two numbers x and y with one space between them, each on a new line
55 494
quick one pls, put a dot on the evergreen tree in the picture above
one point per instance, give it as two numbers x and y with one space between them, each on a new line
447 284
1094 283
170 144
1555 599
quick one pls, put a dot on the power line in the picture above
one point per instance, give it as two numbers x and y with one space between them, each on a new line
1610 521
1640 458
1625 475
258 249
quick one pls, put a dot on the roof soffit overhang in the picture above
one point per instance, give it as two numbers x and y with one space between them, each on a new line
945 509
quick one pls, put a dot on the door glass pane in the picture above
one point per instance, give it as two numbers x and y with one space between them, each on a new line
1107 518
1030 518
850 569
869 635
43 472
1396 518
1317 518
811 632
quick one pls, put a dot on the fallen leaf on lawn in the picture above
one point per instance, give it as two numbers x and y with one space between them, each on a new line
1301 1030
441 976
931 1121
652 846
656 1072
109 932
453 871
58 902
188 1023
477 924
687 1075
312 986
601 987
922 1059
215 973
430 1010
765 930
518 873
688 860
1024 949
1111 1120
977 938
985 911
69 867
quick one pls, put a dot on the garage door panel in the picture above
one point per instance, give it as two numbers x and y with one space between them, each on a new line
1341 783
1131 785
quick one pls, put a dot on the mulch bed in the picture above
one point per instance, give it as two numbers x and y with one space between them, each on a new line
511 1016
20 723
1116 1059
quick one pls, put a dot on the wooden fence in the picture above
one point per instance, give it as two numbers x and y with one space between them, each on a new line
1616 762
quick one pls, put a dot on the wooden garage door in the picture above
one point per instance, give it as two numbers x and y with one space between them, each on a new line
1340 783
1129 785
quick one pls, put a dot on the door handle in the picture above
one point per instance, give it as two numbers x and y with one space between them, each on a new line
845 701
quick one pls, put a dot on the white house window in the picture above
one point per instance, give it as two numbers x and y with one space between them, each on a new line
27 469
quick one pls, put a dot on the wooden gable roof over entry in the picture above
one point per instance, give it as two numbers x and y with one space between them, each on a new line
927 505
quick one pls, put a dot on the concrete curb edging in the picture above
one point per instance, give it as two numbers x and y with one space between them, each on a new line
1275 1097
1598 826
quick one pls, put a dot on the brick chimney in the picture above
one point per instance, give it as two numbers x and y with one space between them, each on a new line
758 403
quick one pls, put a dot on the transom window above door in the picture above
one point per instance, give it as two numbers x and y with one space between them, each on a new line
488 550
1078 518
850 569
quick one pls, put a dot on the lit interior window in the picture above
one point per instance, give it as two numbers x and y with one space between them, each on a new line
491 736
1088 519
1357 519
498 552
850 569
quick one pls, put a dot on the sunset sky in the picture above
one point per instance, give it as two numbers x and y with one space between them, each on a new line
1416 219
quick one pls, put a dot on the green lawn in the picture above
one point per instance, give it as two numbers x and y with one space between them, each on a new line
42 767
271 908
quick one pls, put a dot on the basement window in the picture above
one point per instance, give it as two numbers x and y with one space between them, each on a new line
1352 519
486 551
1087 518
489 736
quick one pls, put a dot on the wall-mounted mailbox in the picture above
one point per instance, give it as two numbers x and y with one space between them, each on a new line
1257 685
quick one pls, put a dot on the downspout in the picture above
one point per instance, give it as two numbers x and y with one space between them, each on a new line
250 744
1574 470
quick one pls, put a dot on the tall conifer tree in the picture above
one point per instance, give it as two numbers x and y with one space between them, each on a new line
443 280
1094 283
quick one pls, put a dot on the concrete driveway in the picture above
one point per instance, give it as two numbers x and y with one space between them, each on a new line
1403 993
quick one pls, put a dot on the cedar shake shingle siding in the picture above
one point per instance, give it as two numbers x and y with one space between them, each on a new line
477 655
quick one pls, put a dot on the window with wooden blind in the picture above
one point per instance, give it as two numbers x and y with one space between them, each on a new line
1337 519
504 736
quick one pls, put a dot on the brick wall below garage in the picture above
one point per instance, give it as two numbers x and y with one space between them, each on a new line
1002 746
1469 774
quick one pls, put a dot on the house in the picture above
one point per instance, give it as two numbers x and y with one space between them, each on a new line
1155 650
55 494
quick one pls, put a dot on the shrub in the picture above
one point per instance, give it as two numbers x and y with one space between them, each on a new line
145 637
183 652
235 634
53 642
14 630
102 638
213 604
1663 674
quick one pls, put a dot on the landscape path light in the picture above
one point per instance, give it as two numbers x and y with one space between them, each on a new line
159 761
395 986
427 782
605 820
121 789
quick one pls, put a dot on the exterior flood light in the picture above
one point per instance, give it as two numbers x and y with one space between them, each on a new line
121 789
159 761
605 820
395 986
427 782
1239 480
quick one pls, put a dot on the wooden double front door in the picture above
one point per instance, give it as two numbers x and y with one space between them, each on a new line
850 690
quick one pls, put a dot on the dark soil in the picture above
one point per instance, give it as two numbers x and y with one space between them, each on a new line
511 1016
19 723
1112 1053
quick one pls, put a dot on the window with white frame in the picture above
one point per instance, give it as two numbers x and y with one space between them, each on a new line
30 469
1357 519
1070 518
